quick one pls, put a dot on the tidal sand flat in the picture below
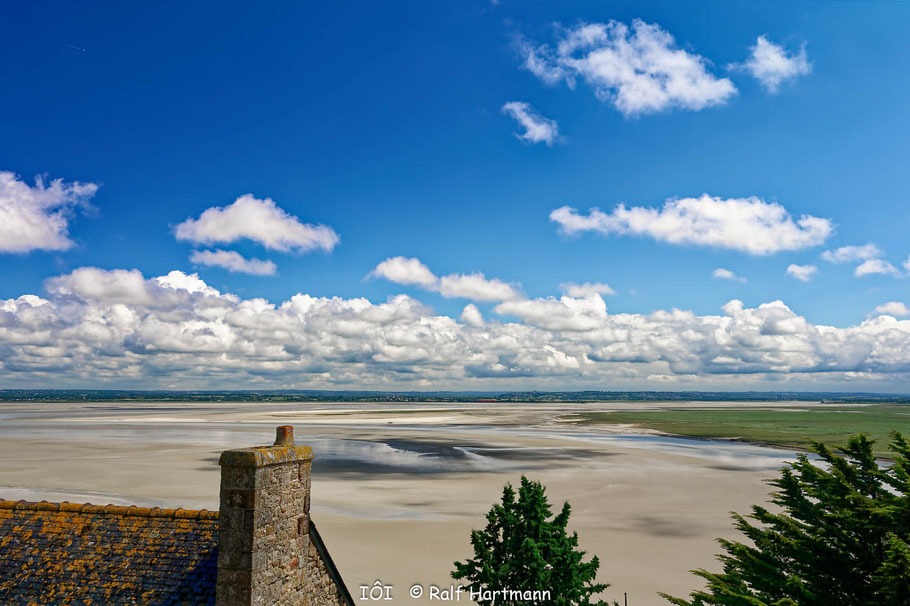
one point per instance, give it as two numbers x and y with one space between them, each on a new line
397 488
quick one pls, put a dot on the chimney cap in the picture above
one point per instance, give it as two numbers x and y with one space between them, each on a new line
284 435
282 451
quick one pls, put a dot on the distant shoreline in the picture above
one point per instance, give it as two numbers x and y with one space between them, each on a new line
575 397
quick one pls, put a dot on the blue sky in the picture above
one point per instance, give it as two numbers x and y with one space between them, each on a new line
386 125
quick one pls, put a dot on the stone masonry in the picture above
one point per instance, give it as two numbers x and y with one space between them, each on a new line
264 553
323 588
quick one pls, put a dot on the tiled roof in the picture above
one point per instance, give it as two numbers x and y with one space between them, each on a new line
67 553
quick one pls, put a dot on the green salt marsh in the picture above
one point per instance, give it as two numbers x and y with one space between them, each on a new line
792 427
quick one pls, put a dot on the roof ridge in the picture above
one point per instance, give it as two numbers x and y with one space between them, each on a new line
125 510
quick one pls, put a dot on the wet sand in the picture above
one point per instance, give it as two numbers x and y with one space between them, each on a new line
398 487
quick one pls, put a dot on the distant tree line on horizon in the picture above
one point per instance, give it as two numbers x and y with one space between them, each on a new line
291 395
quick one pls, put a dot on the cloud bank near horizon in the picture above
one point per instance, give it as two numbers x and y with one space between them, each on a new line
117 327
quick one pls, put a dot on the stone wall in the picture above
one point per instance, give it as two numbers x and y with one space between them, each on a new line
264 547
321 588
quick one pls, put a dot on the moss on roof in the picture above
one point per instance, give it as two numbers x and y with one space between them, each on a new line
69 553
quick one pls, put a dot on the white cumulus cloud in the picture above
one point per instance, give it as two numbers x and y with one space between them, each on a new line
892 308
725 274
539 60
537 129
875 266
233 262
565 313
639 69
475 286
258 220
803 273
97 327
404 270
36 217
869 254
471 316
747 224
772 65
126 287
572 289
849 254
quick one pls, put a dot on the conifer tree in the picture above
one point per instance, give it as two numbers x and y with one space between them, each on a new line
522 548
840 536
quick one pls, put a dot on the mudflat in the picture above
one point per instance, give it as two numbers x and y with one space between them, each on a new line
397 488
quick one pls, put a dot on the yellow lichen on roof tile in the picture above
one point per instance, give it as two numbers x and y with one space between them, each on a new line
91 554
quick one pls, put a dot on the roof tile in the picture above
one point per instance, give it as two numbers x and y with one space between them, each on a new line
91 554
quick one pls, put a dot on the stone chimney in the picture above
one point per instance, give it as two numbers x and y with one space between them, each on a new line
263 537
